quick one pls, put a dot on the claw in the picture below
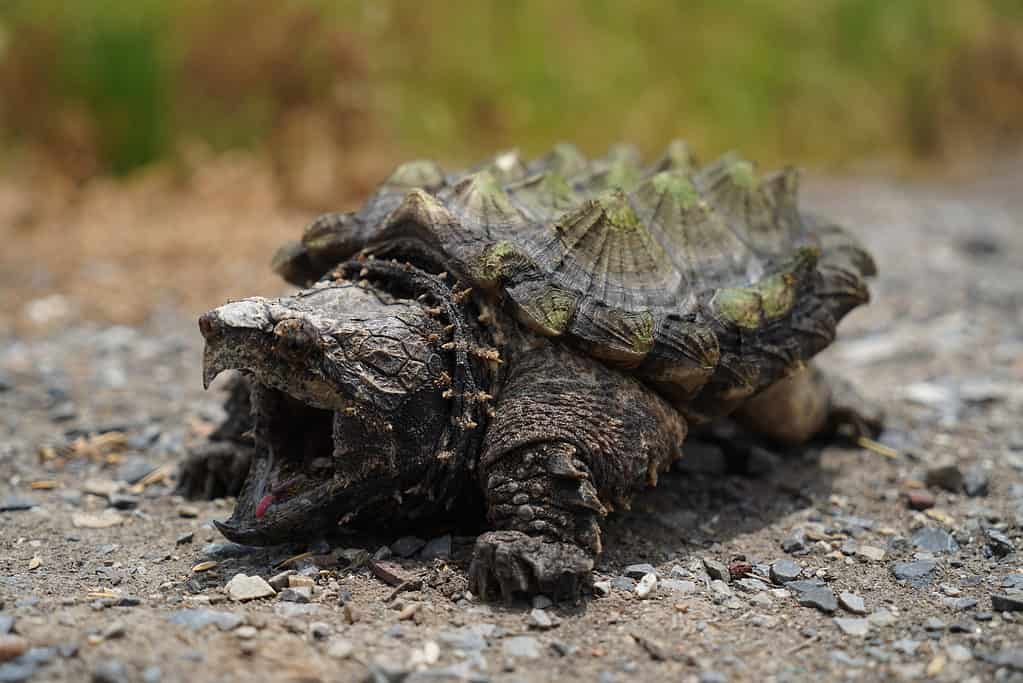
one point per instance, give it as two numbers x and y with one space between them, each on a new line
512 563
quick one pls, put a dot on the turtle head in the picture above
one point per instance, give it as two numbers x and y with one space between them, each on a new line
347 398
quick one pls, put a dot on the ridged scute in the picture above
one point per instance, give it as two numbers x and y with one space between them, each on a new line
708 281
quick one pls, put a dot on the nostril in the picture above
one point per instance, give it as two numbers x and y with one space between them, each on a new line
208 325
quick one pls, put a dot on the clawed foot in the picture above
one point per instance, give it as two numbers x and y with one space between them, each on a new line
214 470
851 414
510 563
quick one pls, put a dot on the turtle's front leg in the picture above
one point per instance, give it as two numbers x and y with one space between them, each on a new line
569 440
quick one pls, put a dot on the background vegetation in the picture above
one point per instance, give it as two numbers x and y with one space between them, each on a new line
107 86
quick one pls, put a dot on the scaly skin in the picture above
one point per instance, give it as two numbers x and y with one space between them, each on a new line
535 334
356 413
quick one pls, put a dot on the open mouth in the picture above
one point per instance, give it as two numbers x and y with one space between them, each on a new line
299 446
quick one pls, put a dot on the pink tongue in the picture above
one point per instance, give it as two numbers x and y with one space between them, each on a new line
263 505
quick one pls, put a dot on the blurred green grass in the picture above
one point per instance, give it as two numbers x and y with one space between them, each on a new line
109 86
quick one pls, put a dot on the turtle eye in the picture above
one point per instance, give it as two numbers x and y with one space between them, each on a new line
295 338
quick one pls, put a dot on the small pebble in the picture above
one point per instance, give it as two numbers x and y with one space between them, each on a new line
437 549
920 499
946 475
783 571
638 571
853 626
975 482
852 603
646 585
243 588
717 570
871 553
110 671
12 646
525 647
300 594
540 620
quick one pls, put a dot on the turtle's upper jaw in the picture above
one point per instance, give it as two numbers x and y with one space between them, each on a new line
346 398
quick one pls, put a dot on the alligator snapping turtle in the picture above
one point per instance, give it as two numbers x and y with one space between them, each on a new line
536 335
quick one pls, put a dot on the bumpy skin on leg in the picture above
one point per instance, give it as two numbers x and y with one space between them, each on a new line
570 439
810 403
219 466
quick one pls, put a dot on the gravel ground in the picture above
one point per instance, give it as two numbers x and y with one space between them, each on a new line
826 563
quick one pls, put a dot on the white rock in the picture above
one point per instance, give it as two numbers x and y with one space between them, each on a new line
646 585
242 588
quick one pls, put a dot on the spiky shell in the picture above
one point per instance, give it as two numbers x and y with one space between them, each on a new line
708 282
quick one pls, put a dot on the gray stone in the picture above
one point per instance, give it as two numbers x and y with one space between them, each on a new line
134 469
1007 602
123 501
975 482
1011 658
796 543
853 626
999 543
437 548
906 646
17 671
785 570
525 647
110 671
852 602
959 653
540 620
407 546
946 475
917 574
638 571
196 619
1013 581
935 624
960 604
804 585
934 540
152 674
623 583
821 598
717 570
299 594
677 586
16 503
751 585
280 581
6 624
466 639
713 677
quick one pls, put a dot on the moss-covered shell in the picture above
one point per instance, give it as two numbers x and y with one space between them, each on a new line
709 282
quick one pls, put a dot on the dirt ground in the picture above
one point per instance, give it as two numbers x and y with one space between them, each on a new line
113 580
